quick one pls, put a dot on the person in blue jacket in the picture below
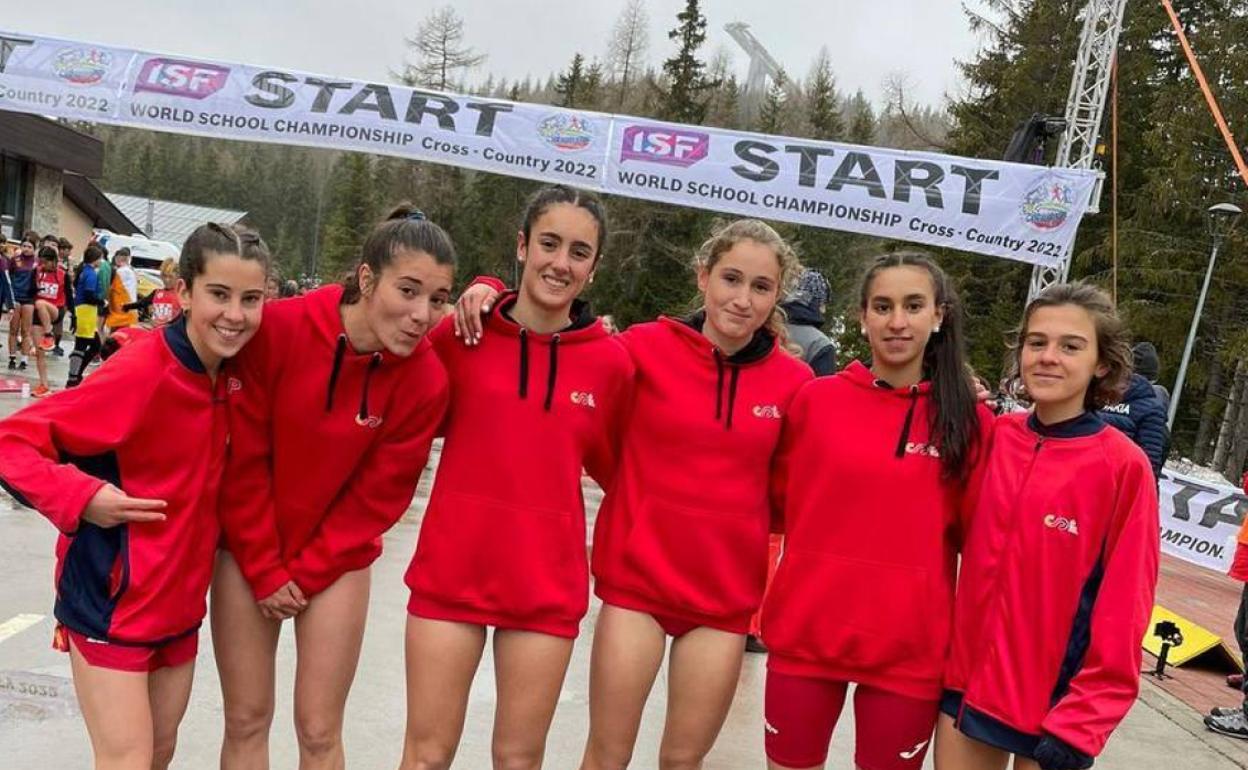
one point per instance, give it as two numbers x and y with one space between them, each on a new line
1142 417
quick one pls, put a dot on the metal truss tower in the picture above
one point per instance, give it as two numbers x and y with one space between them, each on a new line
1085 107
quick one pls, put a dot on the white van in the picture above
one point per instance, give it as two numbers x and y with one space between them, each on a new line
145 255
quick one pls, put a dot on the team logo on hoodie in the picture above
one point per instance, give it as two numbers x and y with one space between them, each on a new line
919 448
1061 524
767 411
584 398
371 421
233 385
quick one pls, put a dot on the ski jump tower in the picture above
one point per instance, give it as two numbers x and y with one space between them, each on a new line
762 65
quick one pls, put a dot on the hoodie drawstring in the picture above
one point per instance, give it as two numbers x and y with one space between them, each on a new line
732 394
339 351
524 363
368 375
554 367
551 374
719 386
719 389
905 426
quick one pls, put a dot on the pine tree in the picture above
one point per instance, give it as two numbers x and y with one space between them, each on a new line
685 98
725 109
771 115
352 210
572 84
862 120
822 111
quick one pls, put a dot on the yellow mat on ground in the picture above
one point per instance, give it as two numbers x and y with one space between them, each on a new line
1199 643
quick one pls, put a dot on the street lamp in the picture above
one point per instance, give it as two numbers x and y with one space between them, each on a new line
1221 220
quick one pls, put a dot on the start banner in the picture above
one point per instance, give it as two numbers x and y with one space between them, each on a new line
1021 212
1200 520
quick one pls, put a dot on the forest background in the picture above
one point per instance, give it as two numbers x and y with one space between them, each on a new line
314 206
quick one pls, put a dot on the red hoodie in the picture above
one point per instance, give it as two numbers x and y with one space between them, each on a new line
864 591
327 446
683 531
503 539
142 583
1057 584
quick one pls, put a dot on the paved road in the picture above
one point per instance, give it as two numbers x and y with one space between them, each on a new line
39 728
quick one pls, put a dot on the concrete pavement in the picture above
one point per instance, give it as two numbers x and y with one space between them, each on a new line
39 726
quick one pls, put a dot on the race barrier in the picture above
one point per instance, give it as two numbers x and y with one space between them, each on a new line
1020 212
1200 520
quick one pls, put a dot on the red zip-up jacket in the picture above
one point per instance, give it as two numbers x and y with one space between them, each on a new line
1056 587
503 539
864 590
683 530
328 445
141 583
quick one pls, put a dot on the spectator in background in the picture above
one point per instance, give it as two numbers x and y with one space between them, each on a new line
1148 365
103 280
64 248
289 289
273 288
21 271
1141 414
6 290
86 313
1233 720
804 309
122 293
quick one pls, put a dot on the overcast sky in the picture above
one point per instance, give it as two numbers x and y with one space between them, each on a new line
867 39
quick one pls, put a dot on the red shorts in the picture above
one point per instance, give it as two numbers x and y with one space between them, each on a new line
673 627
124 657
893 731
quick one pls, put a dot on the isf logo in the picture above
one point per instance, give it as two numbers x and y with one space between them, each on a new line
767 411
669 146
181 78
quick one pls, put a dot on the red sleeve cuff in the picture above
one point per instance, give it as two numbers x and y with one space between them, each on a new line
265 584
488 280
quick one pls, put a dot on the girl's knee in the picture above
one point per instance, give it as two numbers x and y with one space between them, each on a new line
518 756
318 736
427 755
247 721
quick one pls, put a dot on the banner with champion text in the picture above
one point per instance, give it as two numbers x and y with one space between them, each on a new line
1200 520
1020 212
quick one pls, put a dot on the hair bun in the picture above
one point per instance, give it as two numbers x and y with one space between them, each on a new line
405 210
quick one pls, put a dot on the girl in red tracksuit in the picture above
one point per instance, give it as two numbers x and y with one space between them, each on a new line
341 396
138 522
502 543
680 546
871 479
1060 566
